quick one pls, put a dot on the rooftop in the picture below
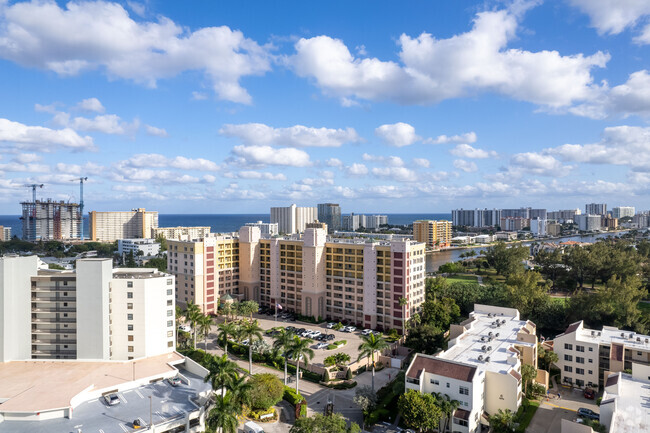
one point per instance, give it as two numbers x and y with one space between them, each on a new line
138 273
485 343
609 335
440 367
632 413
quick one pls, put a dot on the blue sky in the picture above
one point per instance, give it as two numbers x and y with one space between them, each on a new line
233 107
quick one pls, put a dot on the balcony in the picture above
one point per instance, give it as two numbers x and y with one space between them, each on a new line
54 309
43 298
53 320
53 331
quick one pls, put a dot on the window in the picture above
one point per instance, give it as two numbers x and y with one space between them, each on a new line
435 382
580 382
170 313
169 302
580 371
130 348
591 372
580 348
447 384
591 349
170 344
129 295
463 390
170 323
130 327
568 358
170 333
591 361
129 316
568 369
460 422
568 346
130 338
170 281
129 284
580 360
129 306
169 292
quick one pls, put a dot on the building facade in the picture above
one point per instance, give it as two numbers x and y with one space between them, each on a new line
94 312
5 233
514 223
50 220
293 219
586 357
205 269
538 227
433 233
481 368
476 217
596 209
148 247
111 226
267 229
564 216
589 222
330 214
352 222
623 211
186 233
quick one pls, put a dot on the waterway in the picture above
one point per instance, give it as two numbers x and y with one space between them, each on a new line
438 258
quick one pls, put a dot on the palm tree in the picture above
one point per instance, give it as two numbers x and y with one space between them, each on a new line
502 422
221 373
371 344
192 313
204 326
223 416
240 390
300 349
402 303
283 341
447 407
251 331
179 314
225 330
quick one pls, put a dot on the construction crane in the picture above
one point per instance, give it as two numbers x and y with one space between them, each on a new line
81 203
33 186
31 212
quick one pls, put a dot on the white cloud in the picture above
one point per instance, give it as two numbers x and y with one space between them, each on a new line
91 104
399 174
467 151
267 155
357 169
466 166
251 174
334 162
614 16
24 168
52 108
421 162
390 161
105 123
468 137
632 97
539 164
432 70
100 35
156 132
25 158
156 160
199 96
41 138
295 136
398 134
234 192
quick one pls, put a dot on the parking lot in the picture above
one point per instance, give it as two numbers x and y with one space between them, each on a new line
551 412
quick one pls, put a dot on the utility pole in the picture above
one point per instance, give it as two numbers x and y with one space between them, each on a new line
150 413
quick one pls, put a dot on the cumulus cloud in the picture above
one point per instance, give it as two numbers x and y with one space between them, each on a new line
421 162
334 162
156 132
614 16
467 151
234 192
468 137
629 98
398 134
18 135
91 104
399 174
357 169
84 36
252 174
539 164
391 161
466 166
267 155
156 160
431 70
105 123
295 136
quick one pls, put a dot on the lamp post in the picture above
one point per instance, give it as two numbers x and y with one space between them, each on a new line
150 413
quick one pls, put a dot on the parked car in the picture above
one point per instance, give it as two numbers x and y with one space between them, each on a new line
350 329
174 381
366 332
245 342
331 325
589 393
306 333
290 328
316 334
185 328
330 337
111 399
299 331
583 412
322 345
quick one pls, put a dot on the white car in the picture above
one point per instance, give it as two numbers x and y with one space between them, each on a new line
366 332
185 328
174 381
306 334
112 399
350 328
322 345
331 325
315 334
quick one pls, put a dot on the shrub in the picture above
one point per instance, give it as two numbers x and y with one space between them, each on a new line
291 396
348 374
347 384
257 414
266 391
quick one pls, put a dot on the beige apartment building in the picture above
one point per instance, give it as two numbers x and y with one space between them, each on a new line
433 233
111 226
205 269
356 280
180 233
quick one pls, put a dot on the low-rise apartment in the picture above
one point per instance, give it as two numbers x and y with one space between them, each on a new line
180 232
481 368
148 247
586 357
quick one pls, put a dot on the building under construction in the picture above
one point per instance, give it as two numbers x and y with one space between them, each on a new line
51 220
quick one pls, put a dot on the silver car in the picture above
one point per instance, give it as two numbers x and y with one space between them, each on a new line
111 399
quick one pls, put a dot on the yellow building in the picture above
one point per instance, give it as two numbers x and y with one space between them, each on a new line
111 226
185 233
433 233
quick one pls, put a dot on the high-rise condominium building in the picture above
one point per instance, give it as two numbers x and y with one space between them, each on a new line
352 222
524 212
433 233
330 214
514 224
293 219
50 220
337 279
481 368
564 216
476 217
94 313
205 270
596 209
375 221
589 222
5 233
180 232
587 356
111 226
267 229
538 226
623 211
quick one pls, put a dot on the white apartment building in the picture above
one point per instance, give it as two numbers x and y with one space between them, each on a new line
589 222
538 227
111 226
293 219
596 209
624 407
623 211
84 314
375 221
476 217
266 229
179 232
5 233
352 222
481 367
586 357
149 247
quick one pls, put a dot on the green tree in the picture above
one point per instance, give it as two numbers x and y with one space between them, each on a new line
248 308
300 350
506 260
221 373
451 268
162 241
426 339
223 415
266 391
419 410
204 327
226 330
129 261
528 374
366 399
447 408
525 292
502 421
319 423
283 341
192 313
239 390
440 313
550 264
403 302
251 331
159 263
369 345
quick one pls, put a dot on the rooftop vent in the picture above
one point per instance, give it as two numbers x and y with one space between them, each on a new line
484 348
480 357
622 334
482 338
490 333
487 359
593 333
496 335
489 348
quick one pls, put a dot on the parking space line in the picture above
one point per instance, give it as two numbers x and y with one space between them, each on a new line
121 397
124 428
142 422
101 431
137 391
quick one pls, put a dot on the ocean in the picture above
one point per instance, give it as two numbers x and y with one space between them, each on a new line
222 223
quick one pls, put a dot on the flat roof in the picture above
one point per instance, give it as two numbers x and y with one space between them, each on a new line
28 386
469 347
632 413
609 335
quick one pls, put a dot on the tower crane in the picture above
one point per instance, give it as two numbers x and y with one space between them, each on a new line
81 203
33 186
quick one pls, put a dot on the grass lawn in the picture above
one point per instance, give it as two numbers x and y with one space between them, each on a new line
461 279
527 416
644 307
562 300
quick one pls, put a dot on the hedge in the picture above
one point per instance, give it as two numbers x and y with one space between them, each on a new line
342 385
291 396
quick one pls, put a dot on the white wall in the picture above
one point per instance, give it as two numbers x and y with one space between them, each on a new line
93 332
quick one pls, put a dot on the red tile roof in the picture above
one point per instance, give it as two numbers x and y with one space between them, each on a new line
441 367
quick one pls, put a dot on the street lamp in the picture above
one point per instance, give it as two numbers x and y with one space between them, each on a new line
150 413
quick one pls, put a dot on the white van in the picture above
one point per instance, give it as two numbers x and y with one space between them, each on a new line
251 427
